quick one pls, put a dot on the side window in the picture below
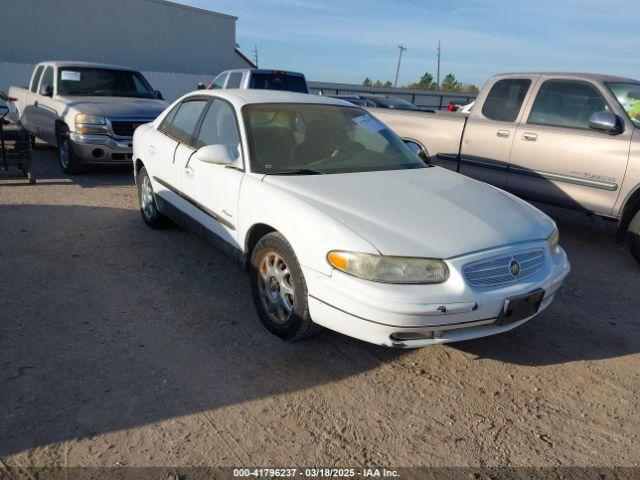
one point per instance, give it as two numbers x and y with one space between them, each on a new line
567 103
181 124
47 79
219 81
505 99
219 127
234 80
36 79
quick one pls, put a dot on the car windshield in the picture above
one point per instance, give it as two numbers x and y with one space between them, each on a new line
279 81
103 82
628 96
308 139
392 102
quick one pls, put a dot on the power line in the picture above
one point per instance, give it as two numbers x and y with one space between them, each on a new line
402 49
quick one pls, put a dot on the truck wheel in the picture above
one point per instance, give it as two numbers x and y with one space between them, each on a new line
148 207
279 290
68 161
633 236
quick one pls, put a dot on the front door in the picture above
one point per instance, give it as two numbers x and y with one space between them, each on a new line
214 189
489 133
557 159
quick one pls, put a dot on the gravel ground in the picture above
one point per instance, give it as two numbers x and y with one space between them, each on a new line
120 345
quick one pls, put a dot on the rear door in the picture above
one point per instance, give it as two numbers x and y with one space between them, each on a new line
214 189
170 146
28 108
488 136
557 159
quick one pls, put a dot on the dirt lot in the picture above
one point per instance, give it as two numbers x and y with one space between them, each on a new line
123 345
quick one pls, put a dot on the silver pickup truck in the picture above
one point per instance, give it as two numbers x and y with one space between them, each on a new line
88 110
571 140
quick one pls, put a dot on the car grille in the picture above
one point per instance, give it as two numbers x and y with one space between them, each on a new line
497 270
125 128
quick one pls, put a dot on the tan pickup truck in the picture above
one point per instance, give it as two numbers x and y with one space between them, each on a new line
571 140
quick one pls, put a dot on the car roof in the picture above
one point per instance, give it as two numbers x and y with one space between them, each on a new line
571 75
63 63
260 70
241 97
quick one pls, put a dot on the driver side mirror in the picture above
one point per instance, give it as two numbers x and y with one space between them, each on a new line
607 122
418 150
214 154
46 91
159 94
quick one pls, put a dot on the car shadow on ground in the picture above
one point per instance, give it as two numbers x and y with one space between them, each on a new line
594 315
107 325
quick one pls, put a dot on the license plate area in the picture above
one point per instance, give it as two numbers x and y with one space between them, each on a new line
520 307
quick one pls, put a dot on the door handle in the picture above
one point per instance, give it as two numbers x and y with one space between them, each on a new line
503 133
529 137
151 150
188 171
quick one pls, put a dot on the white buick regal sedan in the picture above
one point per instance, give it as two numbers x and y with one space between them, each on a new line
340 224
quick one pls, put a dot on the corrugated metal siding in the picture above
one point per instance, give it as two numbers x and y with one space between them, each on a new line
432 99
148 35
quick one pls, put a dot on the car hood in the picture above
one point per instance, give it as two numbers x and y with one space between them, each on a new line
428 212
117 106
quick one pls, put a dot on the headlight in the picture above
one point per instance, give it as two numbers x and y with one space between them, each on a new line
90 119
379 268
554 240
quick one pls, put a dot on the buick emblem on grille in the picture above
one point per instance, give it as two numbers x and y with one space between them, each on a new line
514 268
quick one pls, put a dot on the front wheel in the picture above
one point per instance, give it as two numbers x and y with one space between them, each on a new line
279 290
633 237
68 161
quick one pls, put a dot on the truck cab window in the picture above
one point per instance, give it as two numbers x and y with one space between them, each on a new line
218 82
35 81
234 80
567 103
47 79
504 101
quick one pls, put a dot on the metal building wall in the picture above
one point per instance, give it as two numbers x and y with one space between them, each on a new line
149 35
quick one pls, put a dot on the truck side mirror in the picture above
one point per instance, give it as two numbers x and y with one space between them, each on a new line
159 94
607 122
46 90
418 150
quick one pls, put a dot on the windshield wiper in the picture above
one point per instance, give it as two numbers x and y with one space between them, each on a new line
300 171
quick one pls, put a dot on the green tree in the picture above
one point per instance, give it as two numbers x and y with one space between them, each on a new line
388 84
450 84
426 82
472 89
367 82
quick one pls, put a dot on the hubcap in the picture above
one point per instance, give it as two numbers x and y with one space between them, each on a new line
275 287
64 153
146 197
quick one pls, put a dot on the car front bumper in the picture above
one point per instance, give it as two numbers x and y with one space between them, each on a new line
412 316
101 149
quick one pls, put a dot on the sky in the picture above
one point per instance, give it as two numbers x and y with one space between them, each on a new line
348 40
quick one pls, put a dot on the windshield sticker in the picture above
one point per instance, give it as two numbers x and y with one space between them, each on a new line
70 76
369 123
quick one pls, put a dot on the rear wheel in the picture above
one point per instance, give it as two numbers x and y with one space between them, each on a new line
148 206
279 290
633 237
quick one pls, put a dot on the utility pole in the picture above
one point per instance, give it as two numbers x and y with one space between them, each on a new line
255 55
402 49
438 68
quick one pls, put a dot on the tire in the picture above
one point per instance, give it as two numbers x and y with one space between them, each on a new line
274 266
69 163
633 237
147 201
